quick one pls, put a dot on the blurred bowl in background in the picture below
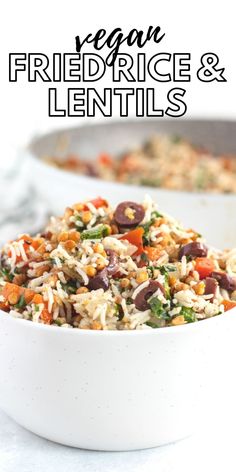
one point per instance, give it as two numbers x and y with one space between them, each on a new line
213 215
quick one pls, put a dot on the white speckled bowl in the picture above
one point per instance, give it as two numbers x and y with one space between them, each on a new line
212 215
112 390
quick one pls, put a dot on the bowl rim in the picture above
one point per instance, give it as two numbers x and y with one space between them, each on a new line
113 122
111 333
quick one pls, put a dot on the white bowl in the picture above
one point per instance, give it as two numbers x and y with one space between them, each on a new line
212 215
112 390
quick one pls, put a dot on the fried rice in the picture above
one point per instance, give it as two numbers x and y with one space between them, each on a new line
167 162
125 269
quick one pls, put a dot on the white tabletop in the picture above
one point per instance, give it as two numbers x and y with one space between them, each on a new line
21 451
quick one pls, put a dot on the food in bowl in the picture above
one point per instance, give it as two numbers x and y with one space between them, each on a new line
163 161
103 269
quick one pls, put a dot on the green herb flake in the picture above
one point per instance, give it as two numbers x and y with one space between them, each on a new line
7 274
144 257
95 233
188 314
58 322
165 269
152 324
119 312
176 139
146 226
155 214
157 309
70 287
129 301
21 303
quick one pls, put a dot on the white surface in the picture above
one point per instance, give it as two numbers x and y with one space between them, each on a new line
22 451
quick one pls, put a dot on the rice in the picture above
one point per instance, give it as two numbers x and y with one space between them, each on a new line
163 161
151 274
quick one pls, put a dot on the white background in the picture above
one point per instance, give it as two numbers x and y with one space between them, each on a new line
50 26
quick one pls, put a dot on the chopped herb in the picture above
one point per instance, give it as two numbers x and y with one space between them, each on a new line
166 286
151 269
151 182
176 139
189 258
144 257
155 214
146 226
95 233
129 301
152 324
21 303
188 314
36 308
58 322
6 273
70 287
119 312
53 261
157 309
165 269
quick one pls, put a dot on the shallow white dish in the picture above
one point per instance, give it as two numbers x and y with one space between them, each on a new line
113 390
212 215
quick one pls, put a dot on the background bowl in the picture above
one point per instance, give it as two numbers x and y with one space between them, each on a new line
115 390
211 214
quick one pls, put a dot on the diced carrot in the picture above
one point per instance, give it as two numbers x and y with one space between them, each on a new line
28 241
105 159
229 304
10 288
4 306
135 237
204 266
29 295
97 203
45 316
72 161
37 298
152 252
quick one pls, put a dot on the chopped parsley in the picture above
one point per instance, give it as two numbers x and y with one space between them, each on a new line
7 273
176 139
165 269
21 303
70 287
146 226
157 309
188 314
95 233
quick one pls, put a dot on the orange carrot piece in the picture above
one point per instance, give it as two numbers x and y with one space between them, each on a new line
37 298
135 237
45 316
10 288
204 266
105 159
229 304
98 202
152 252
